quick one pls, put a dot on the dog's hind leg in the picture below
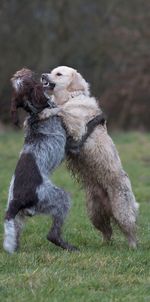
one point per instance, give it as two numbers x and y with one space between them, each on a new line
125 216
125 210
56 203
19 224
99 211
12 226
55 235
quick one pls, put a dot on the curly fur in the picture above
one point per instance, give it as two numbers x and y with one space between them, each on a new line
98 166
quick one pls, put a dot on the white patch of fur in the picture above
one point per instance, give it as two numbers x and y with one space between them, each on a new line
17 84
76 93
46 113
10 243
11 188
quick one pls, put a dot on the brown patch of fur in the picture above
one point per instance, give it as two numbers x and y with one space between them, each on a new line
30 90
27 178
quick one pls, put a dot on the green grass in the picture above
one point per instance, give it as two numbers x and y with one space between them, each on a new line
42 272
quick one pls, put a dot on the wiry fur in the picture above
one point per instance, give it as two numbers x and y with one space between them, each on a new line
98 166
31 192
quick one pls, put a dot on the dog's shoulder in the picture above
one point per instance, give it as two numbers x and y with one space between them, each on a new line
82 105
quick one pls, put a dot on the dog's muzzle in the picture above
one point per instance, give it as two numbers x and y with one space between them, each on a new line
46 82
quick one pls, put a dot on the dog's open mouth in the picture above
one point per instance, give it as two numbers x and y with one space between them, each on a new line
46 82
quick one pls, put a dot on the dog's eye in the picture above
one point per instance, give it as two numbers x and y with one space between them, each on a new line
59 74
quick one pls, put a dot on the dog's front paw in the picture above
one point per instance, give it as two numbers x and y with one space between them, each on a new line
46 113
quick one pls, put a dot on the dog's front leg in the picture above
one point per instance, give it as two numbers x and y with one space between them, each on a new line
46 113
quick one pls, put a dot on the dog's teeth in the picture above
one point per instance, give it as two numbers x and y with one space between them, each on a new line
45 83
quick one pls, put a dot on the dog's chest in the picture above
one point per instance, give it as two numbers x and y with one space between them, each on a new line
47 142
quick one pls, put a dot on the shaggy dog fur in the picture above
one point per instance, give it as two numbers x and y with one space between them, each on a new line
31 192
98 166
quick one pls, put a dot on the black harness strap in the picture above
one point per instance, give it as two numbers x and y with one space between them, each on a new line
73 146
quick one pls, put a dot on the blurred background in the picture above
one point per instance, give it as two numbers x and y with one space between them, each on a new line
107 41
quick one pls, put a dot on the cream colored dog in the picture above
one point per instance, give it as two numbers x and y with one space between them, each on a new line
98 166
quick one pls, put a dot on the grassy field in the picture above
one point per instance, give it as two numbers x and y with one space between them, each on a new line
42 272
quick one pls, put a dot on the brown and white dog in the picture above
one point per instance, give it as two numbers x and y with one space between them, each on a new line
31 191
108 188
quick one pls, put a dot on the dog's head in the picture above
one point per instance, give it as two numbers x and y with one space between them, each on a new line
20 77
64 78
27 94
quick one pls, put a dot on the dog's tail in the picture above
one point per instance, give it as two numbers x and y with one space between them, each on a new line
10 236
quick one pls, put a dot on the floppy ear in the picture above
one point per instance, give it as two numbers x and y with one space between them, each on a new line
38 93
13 111
78 83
